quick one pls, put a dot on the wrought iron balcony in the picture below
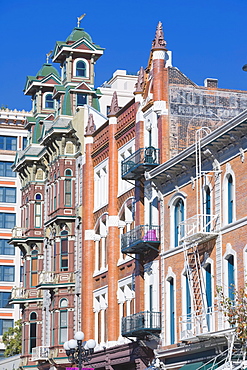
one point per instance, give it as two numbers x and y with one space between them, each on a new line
133 167
141 239
199 228
141 324
40 353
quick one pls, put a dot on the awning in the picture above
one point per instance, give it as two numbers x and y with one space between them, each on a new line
195 366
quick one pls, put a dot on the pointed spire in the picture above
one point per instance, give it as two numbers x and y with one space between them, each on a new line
90 128
140 81
114 105
159 41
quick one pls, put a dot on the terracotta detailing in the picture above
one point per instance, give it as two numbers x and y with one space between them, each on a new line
113 236
88 245
159 42
114 105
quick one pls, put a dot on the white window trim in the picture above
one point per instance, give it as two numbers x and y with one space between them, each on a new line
86 65
171 205
101 185
44 99
170 275
228 253
229 171
125 151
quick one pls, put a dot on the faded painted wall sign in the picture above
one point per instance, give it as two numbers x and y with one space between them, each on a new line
215 105
193 107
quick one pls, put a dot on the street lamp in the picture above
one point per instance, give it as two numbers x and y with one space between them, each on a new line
78 351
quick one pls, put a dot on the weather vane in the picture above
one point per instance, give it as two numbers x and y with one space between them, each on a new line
48 56
79 19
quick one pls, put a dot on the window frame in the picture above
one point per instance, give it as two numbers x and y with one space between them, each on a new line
86 76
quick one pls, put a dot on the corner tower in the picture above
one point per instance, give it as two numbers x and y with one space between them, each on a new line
77 56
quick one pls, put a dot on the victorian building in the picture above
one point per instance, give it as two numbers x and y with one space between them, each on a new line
13 138
101 251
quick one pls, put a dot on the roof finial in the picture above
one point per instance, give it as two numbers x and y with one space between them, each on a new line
159 42
114 105
48 56
79 19
140 81
90 128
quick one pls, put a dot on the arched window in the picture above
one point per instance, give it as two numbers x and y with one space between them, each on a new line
64 252
32 331
207 209
38 210
49 102
81 69
67 188
63 327
34 268
230 199
178 217
172 310
231 276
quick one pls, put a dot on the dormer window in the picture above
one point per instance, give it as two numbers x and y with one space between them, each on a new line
49 102
80 69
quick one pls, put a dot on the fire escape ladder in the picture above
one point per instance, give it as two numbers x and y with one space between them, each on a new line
196 286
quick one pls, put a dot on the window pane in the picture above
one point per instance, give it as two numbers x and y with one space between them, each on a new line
7 273
6 324
4 300
81 99
8 170
49 102
10 195
6 248
11 143
9 220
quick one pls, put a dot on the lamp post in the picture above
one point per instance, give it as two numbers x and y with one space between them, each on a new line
79 351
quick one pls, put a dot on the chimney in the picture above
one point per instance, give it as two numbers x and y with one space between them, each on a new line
211 82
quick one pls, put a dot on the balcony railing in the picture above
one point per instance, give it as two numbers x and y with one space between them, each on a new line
40 353
50 279
199 228
18 232
195 324
22 295
141 324
133 167
141 239
46 278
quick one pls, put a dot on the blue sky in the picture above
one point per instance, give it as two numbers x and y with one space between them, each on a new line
207 38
